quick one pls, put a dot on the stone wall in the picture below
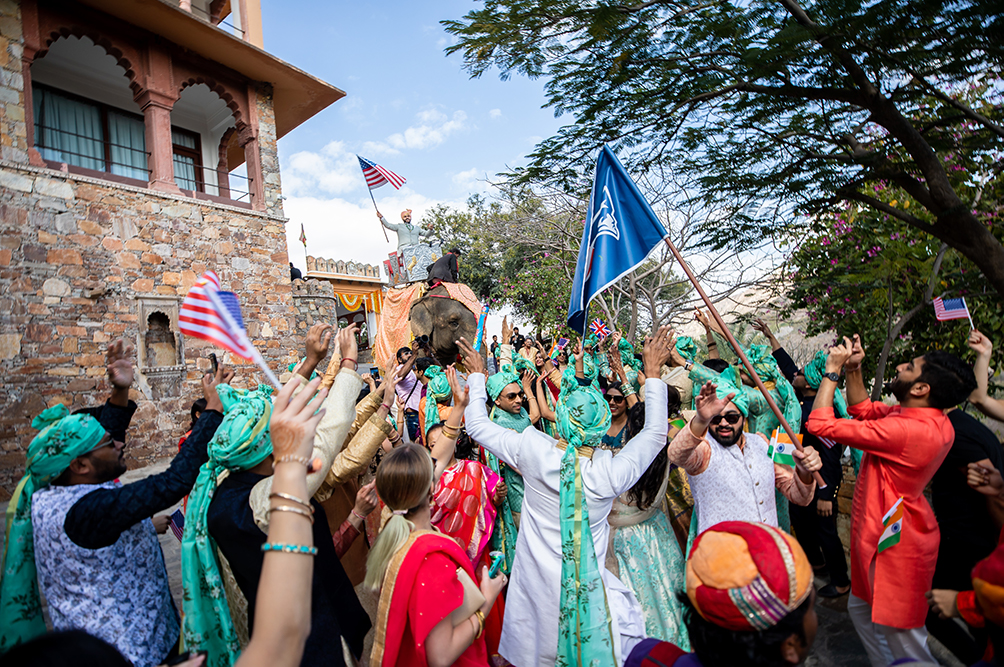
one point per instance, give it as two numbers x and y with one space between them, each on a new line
84 261
315 301
268 150
13 130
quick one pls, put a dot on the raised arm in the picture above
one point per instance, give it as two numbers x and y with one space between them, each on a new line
531 400
389 225
446 445
541 396
991 407
502 442
709 334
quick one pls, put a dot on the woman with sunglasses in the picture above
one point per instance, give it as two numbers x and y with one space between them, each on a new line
614 437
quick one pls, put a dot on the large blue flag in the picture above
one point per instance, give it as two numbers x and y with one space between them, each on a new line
621 230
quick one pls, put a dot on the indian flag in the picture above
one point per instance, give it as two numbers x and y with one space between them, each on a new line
893 522
781 448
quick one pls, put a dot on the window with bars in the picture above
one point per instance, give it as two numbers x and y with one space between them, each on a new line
187 160
88 134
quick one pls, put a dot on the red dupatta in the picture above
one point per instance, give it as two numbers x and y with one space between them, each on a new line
462 505
400 584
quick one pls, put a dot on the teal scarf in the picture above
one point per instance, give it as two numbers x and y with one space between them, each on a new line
241 442
438 388
504 535
63 437
687 348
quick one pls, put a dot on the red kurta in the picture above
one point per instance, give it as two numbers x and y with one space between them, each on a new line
903 449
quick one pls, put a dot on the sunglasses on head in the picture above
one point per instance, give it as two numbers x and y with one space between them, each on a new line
730 417
612 398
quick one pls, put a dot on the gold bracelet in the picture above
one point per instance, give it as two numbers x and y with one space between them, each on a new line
294 510
481 623
291 498
449 432
289 458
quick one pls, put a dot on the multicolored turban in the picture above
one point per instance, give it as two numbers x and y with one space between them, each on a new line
988 583
746 576
62 438
437 389
241 442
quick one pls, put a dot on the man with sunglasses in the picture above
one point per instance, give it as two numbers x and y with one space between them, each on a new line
731 473
99 562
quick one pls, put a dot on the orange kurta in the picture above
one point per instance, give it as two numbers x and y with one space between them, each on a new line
444 414
903 449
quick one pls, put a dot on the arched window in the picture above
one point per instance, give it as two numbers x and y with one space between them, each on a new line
160 341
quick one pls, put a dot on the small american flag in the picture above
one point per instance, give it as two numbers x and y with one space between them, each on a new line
829 443
177 523
376 176
599 327
950 309
213 315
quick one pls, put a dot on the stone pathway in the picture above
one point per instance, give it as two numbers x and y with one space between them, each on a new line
836 645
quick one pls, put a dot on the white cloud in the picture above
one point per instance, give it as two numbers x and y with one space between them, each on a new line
333 170
471 181
495 113
433 129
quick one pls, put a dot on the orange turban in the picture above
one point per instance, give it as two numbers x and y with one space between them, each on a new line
747 576
988 582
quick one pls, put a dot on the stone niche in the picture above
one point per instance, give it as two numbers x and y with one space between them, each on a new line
160 346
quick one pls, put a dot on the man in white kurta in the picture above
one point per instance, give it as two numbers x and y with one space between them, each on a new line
530 628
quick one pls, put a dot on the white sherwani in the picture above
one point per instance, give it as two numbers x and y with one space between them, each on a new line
530 629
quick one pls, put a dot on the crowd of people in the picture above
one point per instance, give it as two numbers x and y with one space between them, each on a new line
540 502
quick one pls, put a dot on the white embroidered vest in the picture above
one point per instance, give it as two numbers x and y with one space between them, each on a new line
737 486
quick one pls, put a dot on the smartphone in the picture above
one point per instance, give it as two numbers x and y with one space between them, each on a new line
214 363
496 564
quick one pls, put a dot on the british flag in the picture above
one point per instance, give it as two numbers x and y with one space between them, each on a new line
599 327
376 176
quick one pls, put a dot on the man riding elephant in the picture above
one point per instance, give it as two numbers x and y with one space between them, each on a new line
414 256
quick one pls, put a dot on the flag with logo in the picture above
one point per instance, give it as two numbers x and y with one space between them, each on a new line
781 448
214 315
893 523
620 230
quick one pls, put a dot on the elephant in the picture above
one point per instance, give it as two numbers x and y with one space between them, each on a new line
443 320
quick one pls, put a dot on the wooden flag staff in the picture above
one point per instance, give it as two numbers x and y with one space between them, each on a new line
373 199
742 356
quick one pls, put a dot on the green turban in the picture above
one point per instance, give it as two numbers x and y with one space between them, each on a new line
582 412
522 364
499 381
592 340
292 367
62 438
241 442
764 362
627 355
686 346
438 388
729 382
814 375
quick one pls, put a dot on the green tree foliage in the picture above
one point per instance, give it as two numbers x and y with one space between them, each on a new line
811 104
859 272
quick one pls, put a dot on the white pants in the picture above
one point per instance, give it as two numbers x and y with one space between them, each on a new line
883 643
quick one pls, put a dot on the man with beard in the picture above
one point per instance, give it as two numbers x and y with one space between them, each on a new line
88 540
731 473
894 534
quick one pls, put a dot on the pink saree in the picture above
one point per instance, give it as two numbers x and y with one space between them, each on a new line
462 506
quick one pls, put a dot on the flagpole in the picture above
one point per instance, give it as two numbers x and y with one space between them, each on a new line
742 356
382 228
972 327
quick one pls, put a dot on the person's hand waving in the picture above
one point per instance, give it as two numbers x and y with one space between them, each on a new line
471 358
657 350
295 418
209 383
347 347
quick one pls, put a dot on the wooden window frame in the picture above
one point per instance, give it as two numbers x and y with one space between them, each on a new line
194 153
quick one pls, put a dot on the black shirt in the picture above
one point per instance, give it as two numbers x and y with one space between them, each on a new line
334 608
961 511
832 471
99 518
787 365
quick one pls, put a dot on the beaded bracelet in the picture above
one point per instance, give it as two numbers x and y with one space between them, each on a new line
289 458
294 510
290 549
358 514
291 498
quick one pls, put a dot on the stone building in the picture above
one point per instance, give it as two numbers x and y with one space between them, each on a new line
137 150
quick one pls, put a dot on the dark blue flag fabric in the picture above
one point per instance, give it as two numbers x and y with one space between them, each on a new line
621 230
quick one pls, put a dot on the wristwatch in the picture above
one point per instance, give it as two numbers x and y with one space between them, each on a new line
832 376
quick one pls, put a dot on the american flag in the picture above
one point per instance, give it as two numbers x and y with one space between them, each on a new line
950 309
213 315
830 444
599 327
177 523
376 176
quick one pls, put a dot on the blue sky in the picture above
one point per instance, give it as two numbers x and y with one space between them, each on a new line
408 107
